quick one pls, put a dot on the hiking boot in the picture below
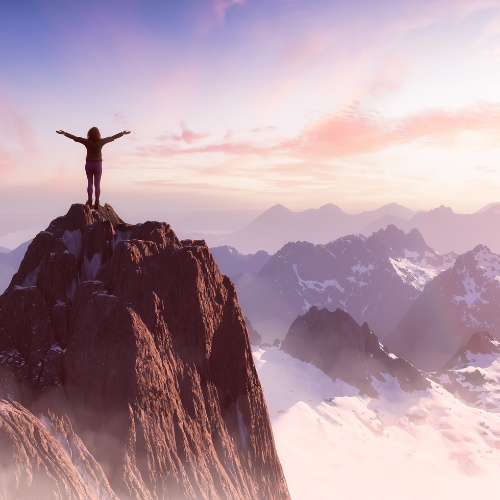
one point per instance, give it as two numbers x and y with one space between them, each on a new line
96 206
89 202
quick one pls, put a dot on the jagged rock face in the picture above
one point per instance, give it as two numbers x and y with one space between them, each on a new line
473 373
253 335
139 340
458 302
375 279
337 345
44 459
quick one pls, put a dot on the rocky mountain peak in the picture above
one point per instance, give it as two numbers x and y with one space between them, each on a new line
337 345
131 344
397 243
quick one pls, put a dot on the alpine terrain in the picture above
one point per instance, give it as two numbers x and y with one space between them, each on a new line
350 416
375 279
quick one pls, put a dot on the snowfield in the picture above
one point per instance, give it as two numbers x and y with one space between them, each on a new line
334 443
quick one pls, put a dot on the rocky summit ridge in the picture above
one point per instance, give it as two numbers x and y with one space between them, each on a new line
126 370
338 346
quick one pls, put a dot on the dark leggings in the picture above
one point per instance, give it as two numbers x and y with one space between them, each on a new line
94 172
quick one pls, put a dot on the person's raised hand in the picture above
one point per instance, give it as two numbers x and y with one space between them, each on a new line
126 132
59 132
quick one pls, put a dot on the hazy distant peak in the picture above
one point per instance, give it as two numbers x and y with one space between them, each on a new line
495 204
442 210
397 242
278 208
330 208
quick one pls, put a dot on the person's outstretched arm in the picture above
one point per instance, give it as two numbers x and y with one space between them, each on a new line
113 137
77 139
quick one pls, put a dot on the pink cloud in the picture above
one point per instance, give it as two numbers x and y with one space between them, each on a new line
186 135
17 138
241 148
264 129
354 131
15 127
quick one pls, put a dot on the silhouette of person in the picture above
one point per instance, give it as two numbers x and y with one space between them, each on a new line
93 165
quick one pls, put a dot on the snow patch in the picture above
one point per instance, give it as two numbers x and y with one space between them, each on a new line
89 269
319 286
121 236
417 274
360 268
73 242
32 277
326 433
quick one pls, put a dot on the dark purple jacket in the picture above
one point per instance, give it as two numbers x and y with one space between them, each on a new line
94 147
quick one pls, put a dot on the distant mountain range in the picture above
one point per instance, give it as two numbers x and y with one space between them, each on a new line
279 225
446 231
443 229
375 279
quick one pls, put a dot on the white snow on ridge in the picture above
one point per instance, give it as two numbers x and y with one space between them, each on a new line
472 293
489 263
319 286
360 268
425 444
417 274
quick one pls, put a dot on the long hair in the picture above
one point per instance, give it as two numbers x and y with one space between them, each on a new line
93 134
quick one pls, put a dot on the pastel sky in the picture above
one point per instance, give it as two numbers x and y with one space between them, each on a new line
249 103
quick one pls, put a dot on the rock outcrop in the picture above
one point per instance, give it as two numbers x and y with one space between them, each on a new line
473 373
132 343
337 345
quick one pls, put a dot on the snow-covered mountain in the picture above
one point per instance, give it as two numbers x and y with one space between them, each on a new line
375 279
335 441
473 374
458 302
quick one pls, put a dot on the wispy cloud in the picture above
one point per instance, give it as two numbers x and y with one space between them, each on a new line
120 117
188 136
354 131
264 129
229 148
17 137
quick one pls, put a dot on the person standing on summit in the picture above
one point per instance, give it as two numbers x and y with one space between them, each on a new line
93 165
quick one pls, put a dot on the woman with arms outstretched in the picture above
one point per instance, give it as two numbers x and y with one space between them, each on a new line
93 165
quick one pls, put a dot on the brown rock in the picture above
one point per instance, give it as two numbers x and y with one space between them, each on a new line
139 341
